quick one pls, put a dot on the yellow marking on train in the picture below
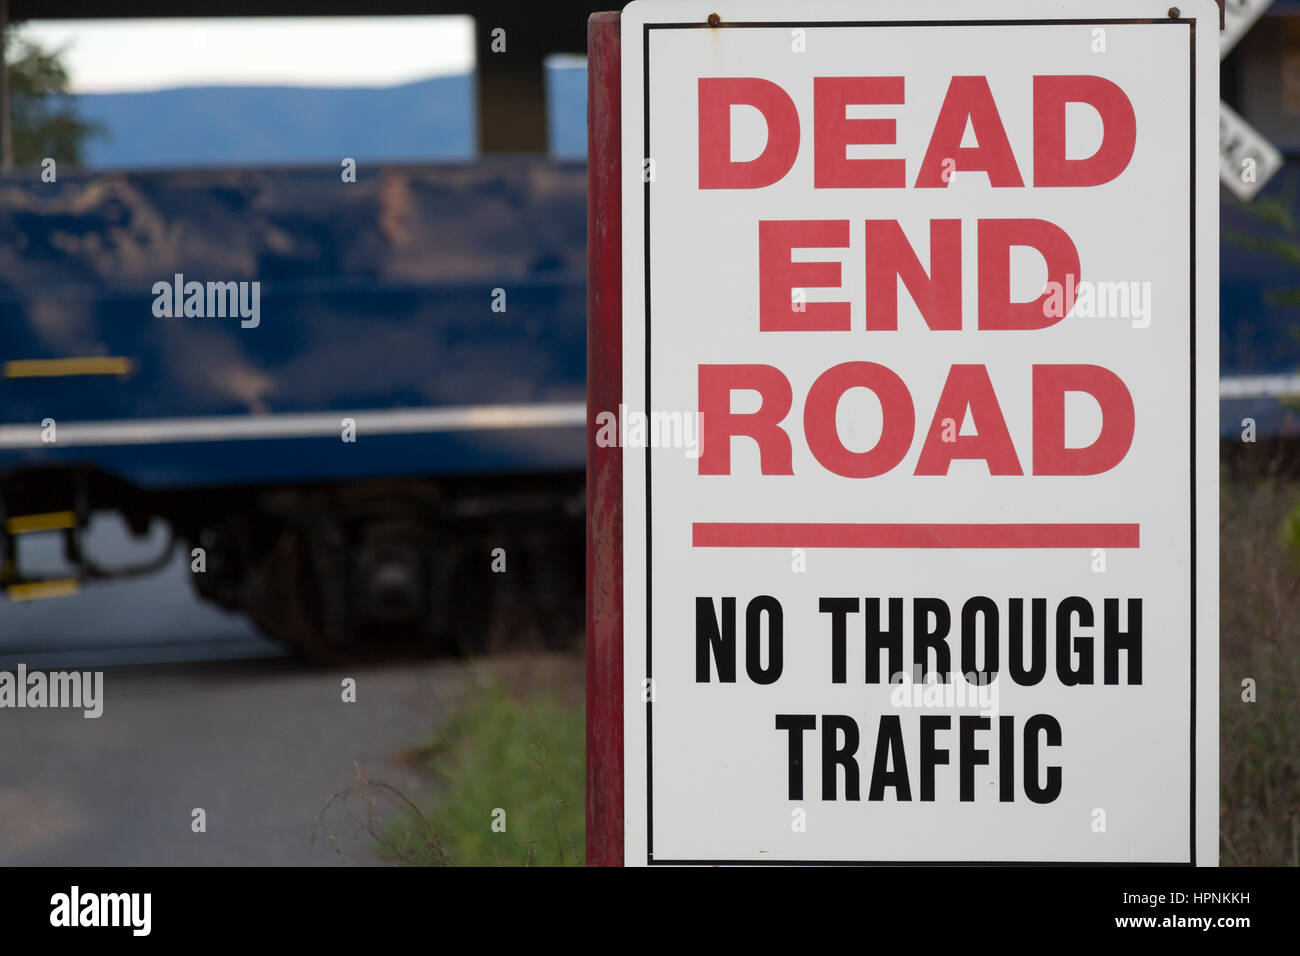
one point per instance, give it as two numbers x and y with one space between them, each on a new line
39 590
49 521
55 368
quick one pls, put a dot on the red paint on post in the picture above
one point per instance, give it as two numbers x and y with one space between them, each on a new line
604 464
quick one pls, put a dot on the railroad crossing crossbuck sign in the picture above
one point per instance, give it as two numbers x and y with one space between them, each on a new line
937 283
1246 159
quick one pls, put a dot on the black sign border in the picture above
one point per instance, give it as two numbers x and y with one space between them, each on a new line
649 737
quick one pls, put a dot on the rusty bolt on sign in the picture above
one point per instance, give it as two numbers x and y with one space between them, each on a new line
714 20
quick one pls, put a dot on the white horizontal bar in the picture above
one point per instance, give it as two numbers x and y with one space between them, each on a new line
159 431
1259 386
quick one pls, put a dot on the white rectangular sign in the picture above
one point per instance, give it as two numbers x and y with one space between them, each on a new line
936 578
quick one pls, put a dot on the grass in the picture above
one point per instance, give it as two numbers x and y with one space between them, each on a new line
523 755
1259 745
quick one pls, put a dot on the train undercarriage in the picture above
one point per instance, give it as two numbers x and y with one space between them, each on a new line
360 570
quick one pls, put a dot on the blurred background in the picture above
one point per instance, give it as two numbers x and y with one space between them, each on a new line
332 563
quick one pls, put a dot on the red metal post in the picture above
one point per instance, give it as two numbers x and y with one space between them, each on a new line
604 465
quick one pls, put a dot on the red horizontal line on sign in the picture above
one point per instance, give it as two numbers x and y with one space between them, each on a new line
769 535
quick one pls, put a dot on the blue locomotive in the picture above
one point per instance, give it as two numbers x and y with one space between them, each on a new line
349 400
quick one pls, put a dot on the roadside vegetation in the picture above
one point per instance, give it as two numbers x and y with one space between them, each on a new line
509 775
1259 746
506 776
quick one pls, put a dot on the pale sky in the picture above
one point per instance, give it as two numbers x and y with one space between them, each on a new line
113 56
